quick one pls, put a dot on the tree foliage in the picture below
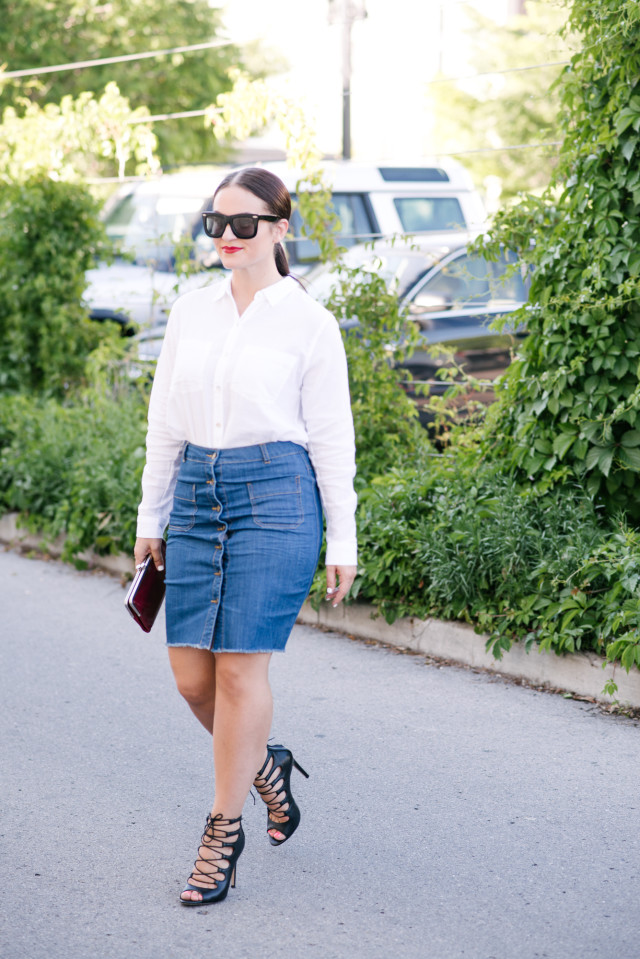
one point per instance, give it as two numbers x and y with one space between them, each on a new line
82 137
496 110
36 33
569 407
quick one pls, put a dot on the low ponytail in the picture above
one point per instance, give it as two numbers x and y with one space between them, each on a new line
282 262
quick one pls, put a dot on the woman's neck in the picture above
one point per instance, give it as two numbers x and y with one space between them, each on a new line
246 283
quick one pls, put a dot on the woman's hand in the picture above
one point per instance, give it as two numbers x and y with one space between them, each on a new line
339 582
144 546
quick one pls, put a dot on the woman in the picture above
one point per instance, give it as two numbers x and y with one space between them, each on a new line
249 425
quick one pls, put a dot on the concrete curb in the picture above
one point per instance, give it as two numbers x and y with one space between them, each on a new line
14 535
582 674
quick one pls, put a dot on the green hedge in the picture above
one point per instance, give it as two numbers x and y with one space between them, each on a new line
449 537
74 469
462 540
50 235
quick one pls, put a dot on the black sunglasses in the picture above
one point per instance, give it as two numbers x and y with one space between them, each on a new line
243 225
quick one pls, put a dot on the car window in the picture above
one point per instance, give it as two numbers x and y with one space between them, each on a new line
462 281
468 281
148 225
148 215
420 213
355 226
399 268
508 285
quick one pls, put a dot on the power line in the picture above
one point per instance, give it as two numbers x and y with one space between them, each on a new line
517 146
497 73
82 64
159 117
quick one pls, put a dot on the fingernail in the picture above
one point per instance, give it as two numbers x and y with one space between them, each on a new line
160 568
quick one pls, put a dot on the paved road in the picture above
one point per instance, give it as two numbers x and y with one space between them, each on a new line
449 815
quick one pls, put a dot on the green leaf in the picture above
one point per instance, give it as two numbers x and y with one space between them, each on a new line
630 458
592 457
631 438
562 444
543 445
606 459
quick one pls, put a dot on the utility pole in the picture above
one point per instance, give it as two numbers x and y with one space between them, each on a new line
346 12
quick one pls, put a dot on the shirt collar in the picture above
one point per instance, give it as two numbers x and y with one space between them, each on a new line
277 291
223 288
273 294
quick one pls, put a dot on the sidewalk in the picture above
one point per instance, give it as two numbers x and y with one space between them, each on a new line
448 815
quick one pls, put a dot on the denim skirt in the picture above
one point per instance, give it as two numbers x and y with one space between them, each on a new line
244 539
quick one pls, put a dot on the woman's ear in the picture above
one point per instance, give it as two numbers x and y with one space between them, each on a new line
280 229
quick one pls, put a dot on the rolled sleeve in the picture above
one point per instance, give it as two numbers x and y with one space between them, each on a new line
163 449
326 410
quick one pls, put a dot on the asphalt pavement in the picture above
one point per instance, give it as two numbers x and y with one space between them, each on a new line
449 815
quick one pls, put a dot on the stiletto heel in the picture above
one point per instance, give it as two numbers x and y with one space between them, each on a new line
299 768
216 839
273 782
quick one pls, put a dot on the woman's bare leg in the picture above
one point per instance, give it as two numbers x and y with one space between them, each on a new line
195 675
244 710
243 713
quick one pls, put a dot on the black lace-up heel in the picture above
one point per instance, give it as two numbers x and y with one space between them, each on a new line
273 782
224 845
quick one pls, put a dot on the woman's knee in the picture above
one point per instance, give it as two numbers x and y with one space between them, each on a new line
194 675
241 675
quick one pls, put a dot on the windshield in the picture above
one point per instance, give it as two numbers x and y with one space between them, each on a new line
399 268
148 225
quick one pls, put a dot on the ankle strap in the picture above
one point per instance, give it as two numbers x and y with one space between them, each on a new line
219 820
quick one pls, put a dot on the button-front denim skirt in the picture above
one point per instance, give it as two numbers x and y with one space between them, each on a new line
244 539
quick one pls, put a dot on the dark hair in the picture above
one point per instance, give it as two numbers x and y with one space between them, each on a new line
271 190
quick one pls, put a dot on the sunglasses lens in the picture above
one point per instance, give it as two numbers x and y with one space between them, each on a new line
214 224
244 227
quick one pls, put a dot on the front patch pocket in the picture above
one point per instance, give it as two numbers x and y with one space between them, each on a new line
277 504
183 512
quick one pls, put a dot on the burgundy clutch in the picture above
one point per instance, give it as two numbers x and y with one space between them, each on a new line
145 595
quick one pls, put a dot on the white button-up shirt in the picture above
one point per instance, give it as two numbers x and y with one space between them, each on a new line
276 373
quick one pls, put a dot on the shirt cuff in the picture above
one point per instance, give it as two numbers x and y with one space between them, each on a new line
342 553
150 528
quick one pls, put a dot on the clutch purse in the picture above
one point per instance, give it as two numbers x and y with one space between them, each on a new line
144 596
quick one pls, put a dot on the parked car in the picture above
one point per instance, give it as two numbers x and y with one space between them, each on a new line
374 201
453 295
148 218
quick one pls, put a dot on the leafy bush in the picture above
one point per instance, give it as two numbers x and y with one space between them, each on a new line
569 408
461 540
74 469
49 236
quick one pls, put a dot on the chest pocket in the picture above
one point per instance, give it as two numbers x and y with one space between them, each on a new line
260 375
190 364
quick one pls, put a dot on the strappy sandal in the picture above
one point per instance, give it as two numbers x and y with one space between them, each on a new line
224 845
273 782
